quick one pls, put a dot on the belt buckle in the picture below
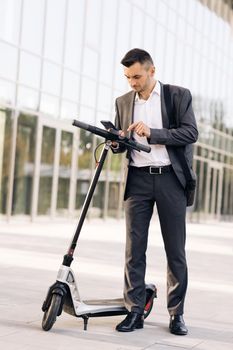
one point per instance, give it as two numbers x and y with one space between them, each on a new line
155 172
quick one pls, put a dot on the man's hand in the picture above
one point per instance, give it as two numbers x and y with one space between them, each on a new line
140 128
115 144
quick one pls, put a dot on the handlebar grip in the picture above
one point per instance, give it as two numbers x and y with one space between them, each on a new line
94 129
81 125
140 146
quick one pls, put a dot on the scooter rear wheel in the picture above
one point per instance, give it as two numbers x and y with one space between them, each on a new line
149 302
50 315
148 308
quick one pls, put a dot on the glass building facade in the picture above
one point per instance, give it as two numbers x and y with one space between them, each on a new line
60 60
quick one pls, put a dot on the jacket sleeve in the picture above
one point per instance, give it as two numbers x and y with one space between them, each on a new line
120 148
186 133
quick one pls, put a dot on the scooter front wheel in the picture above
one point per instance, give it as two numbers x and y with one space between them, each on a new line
50 315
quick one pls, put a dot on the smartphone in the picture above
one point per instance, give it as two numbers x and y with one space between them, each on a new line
108 125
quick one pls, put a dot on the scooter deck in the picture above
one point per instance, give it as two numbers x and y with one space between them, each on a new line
107 302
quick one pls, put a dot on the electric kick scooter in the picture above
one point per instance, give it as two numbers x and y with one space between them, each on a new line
63 294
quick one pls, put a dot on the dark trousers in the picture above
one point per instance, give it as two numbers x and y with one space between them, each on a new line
142 191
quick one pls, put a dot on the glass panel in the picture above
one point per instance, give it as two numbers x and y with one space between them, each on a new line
136 28
93 16
46 171
64 170
123 37
8 61
107 41
88 94
32 26
87 115
29 71
172 20
49 104
70 85
10 19
182 7
24 164
74 33
152 7
51 78
55 21
179 62
191 13
90 63
27 98
160 42
149 36
69 110
104 99
163 12
168 62
181 28
5 147
7 91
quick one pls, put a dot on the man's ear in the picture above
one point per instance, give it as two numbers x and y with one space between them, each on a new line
152 70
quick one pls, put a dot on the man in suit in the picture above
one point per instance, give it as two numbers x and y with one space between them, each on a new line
155 177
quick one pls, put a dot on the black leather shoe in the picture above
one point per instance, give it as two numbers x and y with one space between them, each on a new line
132 321
177 325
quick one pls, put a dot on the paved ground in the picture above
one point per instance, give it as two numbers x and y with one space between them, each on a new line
30 255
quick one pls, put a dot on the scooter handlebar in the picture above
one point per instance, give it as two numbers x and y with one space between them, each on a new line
112 136
138 146
91 128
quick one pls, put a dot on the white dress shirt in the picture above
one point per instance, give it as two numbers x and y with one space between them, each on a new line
149 112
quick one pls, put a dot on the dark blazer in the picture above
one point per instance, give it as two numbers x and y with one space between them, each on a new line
184 135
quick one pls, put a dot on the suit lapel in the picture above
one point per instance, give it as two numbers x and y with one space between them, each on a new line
128 110
165 119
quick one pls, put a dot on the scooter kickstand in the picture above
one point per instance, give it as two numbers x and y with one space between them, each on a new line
85 321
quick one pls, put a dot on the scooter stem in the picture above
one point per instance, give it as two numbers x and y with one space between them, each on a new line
68 258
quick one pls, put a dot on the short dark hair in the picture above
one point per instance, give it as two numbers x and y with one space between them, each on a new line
136 55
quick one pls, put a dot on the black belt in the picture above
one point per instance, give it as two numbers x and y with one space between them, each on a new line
153 170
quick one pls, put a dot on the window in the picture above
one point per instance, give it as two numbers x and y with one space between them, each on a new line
10 20
70 85
107 52
149 35
54 37
169 58
32 25
137 28
8 61
74 34
27 98
90 63
87 115
51 78
7 91
68 110
49 105
160 42
93 17
104 99
88 93
29 72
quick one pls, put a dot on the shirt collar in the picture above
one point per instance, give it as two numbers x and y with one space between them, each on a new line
156 90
